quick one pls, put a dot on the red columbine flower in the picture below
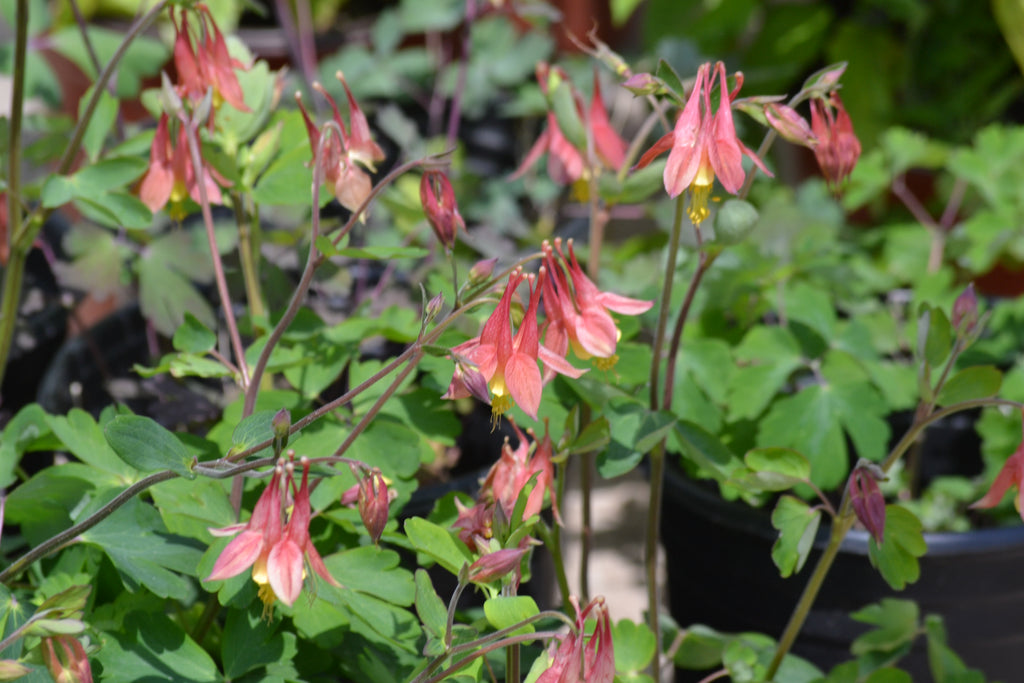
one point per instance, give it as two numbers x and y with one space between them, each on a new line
342 158
251 548
285 566
68 665
509 363
838 148
171 177
515 468
1011 475
703 146
492 566
207 64
578 312
438 200
574 657
566 163
374 498
867 499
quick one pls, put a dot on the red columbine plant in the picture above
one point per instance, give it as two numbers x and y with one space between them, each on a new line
703 146
66 659
507 363
838 148
578 312
867 499
206 65
343 157
575 657
172 177
514 470
1011 475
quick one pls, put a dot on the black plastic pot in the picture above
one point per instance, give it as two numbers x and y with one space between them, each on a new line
720 573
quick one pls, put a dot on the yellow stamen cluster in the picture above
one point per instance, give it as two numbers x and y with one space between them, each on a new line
698 209
606 363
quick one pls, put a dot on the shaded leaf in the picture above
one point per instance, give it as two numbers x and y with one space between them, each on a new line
145 445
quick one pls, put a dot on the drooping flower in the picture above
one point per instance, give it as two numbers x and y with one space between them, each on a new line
492 566
576 657
567 163
252 546
374 499
66 659
286 562
578 312
838 148
171 177
867 499
206 64
438 200
1011 475
344 160
703 146
509 363
516 467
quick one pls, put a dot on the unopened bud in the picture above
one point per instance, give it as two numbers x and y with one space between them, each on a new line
373 503
965 310
442 212
281 423
482 270
495 565
789 124
66 660
434 307
868 501
11 669
642 84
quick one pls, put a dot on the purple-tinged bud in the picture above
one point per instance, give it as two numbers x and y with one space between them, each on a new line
789 124
482 270
642 84
434 307
838 148
438 201
281 423
11 669
965 310
495 565
868 501
373 503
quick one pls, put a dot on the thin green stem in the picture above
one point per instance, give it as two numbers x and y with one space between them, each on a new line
58 540
248 257
651 535
704 261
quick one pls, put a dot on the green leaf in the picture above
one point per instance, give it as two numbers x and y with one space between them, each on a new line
152 647
635 646
253 430
165 296
101 123
946 666
249 642
189 508
503 612
193 337
287 181
703 449
896 623
84 438
117 209
437 543
935 336
594 436
148 447
28 426
813 307
902 544
797 524
775 469
429 606
373 571
136 541
979 381
382 253
807 423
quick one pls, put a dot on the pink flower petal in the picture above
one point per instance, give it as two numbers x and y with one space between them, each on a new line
238 556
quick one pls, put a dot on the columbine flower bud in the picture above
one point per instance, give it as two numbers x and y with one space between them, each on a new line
373 503
11 669
434 307
70 664
281 422
867 499
789 124
838 148
493 566
438 201
965 310
482 270
642 84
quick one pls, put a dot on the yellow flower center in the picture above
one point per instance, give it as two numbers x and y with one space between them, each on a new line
698 209
606 363
500 404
